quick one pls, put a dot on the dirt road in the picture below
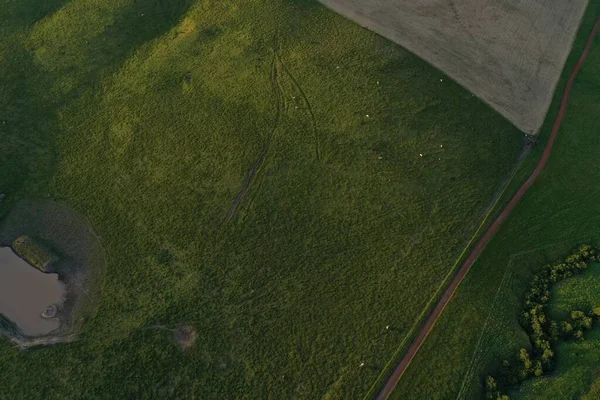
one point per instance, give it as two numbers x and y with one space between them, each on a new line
451 289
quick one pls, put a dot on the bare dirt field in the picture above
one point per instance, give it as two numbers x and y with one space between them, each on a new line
509 53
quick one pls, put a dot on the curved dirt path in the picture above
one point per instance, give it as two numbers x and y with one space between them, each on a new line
279 109
445 299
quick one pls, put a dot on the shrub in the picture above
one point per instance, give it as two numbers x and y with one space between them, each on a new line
33 253
543 332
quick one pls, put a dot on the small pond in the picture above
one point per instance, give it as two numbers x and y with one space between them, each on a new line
26 292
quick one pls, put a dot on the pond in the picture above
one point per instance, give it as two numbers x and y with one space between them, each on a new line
26 292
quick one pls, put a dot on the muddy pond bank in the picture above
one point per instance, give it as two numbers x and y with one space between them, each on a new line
28 296
77 265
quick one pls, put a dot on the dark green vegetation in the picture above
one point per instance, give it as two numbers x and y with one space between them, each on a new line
543 330
577 369
576 375
253 171
32 252
580 293
480 327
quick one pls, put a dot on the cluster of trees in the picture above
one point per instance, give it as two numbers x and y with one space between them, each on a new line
543 332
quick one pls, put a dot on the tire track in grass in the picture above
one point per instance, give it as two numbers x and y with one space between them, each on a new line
279 105
491 231
313 119
474 359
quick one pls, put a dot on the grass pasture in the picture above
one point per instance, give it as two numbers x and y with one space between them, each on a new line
576 376
581 293
254 172
480 326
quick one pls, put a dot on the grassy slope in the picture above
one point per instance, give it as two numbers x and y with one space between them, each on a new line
344 230
479 326
577 367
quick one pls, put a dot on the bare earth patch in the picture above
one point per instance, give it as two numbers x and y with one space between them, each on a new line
185 336
509 53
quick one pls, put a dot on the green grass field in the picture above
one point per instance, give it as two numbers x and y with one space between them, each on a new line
147 116
576 376
577 373
480 326
581 293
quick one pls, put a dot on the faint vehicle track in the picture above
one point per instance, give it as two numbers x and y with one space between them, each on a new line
476 361
279 106
278 67
308 106
491 231
528 144
458 19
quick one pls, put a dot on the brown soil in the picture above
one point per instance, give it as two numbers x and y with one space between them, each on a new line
509 53
185 336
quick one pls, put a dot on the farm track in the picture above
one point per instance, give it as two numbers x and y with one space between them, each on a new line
527 146
278 69
279 107
491 231
313 119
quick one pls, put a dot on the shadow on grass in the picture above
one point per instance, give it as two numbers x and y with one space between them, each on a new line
28 108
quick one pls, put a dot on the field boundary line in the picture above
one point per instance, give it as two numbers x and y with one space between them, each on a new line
533 250
491 231
452 270
484 329
512 257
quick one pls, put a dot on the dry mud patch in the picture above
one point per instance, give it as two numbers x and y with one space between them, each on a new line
509 53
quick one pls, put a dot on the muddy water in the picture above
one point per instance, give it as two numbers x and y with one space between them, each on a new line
26 292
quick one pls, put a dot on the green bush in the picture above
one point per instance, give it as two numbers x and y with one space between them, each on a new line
543 332
33 253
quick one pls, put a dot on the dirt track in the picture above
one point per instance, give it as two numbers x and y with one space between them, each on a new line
267 142
451 289
509 53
